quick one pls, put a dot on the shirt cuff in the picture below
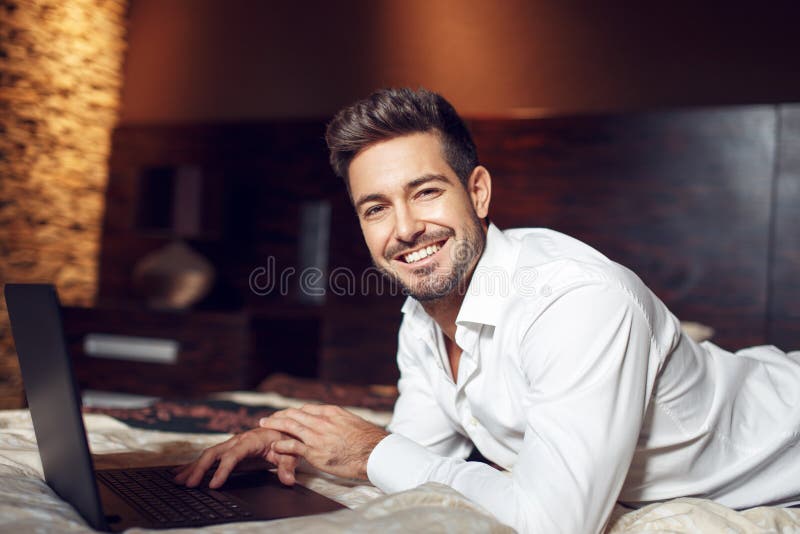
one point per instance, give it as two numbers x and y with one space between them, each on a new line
398 464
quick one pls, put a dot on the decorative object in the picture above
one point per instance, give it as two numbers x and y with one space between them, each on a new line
173 277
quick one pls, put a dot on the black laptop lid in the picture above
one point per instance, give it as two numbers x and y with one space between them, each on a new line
53 397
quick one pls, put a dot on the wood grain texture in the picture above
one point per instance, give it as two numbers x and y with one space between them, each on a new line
784 296
213 352
362 313
259 175
681 197
688 199
218 351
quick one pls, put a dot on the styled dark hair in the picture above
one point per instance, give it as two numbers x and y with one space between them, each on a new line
390 113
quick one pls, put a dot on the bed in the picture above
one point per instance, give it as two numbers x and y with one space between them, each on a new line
701 203
174 431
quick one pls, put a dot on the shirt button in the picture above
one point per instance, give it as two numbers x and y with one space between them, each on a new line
473 422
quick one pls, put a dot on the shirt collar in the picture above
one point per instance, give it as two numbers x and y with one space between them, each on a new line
491 283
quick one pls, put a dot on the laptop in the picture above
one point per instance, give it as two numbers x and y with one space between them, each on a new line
114 500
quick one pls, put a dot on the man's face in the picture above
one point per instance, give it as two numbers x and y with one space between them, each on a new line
422 227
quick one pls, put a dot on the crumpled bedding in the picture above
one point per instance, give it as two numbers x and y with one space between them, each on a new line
27 504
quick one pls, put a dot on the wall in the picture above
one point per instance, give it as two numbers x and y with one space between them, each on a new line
60 65
699 203
204 61
207 60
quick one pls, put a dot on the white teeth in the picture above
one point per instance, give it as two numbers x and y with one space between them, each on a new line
421 253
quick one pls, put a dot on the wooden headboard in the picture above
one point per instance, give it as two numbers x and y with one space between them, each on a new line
704 204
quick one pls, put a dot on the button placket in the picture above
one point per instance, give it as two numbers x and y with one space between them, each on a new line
469 358
433 349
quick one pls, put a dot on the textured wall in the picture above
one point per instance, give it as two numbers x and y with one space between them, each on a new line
222 60
60 79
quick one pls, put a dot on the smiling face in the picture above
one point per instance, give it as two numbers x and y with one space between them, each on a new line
422 226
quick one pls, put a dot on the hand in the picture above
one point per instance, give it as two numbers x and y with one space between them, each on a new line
254 443
329 437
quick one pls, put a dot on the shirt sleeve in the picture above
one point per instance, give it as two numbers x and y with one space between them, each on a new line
586 359
417 415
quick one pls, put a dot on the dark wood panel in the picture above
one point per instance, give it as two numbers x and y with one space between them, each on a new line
681 197
214 353
360 340
362 311
784 309
260 175
217 351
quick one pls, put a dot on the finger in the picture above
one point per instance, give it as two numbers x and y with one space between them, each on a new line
320 410
264 421
296 413
286 469
289 427
278 458
281 413
194 475
291 446
274 457
181 472
227 463
296 423
288 412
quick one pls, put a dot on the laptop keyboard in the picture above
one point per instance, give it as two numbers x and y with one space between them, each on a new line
153 493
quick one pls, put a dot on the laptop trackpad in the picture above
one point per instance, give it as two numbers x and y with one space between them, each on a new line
268 498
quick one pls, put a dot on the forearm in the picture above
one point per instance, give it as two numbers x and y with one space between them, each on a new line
399 464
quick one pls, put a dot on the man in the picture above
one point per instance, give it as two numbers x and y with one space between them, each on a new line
575 378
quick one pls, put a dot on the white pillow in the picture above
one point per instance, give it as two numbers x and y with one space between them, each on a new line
697 331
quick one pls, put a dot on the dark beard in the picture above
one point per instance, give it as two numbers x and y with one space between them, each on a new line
435 283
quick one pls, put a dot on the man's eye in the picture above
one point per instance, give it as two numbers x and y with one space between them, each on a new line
374 210
429 192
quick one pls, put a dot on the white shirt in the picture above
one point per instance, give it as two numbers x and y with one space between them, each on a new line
577 379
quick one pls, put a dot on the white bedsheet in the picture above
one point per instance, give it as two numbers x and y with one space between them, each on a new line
27 504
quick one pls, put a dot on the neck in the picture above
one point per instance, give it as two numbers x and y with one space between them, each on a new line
444 311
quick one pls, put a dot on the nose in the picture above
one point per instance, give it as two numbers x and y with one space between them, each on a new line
408 227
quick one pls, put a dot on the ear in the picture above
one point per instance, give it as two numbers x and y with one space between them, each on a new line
479 188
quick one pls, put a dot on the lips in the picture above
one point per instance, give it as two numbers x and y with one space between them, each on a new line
420 253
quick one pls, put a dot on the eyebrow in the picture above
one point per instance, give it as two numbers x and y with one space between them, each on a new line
413 184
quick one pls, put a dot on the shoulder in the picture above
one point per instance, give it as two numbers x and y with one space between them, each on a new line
557 263
548 263
551 267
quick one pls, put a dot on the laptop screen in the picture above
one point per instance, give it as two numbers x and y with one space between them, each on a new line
53 397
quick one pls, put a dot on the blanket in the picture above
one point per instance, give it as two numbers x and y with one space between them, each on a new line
28 504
